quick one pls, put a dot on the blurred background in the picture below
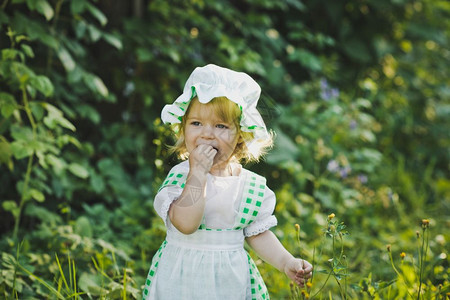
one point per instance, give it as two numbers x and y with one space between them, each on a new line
357 92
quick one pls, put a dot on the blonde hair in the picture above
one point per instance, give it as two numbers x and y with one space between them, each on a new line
228 111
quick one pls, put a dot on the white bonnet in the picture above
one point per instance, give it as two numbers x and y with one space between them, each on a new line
212 81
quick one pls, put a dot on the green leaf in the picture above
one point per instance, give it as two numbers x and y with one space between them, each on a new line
21 150
96 13
87 111
58 164
77 6
9 54
83 227
5 152
92 284
144 54
113 40
66 139
8 104
364 103
94 33
37 110
80 28
307 59
27 50
42 84
31 4
385 284
63 122
367 136
97 183
41 213
37 195
22 133
96 84
75 75
38 31
78 170
11 206
45 9
286 150
55 118
66 59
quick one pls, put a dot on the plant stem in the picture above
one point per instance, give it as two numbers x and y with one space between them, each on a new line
326 280
124 284
24 197
343 296
422 254
398 274
313 263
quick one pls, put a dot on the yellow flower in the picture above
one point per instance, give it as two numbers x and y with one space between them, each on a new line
331 216
309 285
297 227
388 247
425 223
402 255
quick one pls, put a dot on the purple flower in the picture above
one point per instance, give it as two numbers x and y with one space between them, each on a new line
327 92
362 178
343 172
334 93
333 166
353 124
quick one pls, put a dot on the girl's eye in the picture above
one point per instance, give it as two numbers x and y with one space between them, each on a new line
195 123
221 126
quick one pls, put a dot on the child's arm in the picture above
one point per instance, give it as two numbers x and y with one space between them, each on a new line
269 248
186 213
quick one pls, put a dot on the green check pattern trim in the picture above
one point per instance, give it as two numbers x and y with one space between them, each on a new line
253 197
151 273
257 285
178 179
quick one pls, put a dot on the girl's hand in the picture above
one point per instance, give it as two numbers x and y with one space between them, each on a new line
201 158
299 271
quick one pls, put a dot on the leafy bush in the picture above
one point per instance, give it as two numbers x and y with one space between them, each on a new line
358 100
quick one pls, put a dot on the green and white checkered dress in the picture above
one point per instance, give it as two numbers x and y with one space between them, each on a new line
212 262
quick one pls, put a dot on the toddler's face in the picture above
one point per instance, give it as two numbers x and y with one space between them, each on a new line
203 126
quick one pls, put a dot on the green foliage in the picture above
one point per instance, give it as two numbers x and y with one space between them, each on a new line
358 98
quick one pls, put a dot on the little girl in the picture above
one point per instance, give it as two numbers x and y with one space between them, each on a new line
210 203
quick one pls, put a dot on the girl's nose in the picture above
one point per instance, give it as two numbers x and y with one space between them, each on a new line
207 131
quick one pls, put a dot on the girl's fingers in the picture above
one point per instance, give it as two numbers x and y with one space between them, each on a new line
202 156
300 282
206 150
308 268
303 275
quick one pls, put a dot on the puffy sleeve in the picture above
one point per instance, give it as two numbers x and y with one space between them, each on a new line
265 218
170 190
